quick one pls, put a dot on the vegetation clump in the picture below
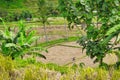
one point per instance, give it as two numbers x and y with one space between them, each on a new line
100 21
17 44
9 70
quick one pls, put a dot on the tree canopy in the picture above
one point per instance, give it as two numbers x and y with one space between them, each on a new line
102 24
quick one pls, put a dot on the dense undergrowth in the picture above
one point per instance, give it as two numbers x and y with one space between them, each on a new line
32 70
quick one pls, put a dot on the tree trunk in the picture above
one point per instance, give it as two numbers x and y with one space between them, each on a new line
45 32
101 61
66 36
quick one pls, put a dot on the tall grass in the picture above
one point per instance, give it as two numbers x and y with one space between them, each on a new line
9 70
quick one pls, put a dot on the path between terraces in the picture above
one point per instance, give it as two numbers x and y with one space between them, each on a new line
69 53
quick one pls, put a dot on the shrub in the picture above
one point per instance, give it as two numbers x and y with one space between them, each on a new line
25 14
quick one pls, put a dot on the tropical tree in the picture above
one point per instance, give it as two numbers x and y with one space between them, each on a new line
44 13
63 8
101 19
19 43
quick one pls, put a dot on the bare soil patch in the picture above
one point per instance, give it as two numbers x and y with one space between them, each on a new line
63 55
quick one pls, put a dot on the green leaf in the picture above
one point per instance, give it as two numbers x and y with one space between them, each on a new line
30 35
10 45
113 29
83 2
33 39
40 55
36 53
116 2
21 39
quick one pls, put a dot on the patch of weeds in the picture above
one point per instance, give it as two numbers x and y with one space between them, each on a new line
58 41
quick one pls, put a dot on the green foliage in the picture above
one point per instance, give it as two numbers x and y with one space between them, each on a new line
63 7
43 10
25 15
81 64
16 44
16 6
67 10
3 13
114 32
11 3
61 69
101 23
15 16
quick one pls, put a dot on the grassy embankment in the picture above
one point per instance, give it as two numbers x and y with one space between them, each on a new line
27 70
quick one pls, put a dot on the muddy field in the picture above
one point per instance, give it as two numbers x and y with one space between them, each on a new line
65 55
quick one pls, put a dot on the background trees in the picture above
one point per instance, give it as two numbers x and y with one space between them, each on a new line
44 9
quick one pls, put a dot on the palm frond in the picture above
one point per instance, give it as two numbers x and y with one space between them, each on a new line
113 30
107 39
13 45
10 45
30 36
21 39
33 39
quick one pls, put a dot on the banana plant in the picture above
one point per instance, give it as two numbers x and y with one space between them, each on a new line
17 44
